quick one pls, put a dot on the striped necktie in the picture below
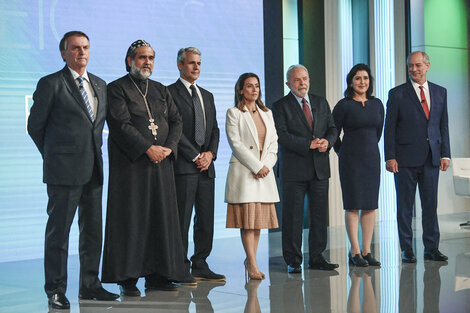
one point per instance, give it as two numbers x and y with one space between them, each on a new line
85 98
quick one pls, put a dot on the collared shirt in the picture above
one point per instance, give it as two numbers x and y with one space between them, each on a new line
88 89
299 100
188 85
426 92
427 95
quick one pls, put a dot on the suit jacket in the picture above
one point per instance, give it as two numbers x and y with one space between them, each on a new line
61 128
241 186
297 161
409 136
187 146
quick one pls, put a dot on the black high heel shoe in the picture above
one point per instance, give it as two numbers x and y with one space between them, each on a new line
371 260
357 260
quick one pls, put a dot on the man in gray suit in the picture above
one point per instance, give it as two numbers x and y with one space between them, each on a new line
194 169
66 123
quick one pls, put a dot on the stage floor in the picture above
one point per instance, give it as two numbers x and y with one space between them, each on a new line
423 287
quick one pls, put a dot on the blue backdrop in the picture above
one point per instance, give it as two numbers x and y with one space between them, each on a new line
229 33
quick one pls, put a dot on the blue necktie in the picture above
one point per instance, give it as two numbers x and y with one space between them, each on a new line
85 98
199 132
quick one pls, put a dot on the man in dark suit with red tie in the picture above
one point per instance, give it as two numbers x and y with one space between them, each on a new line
194 168
416 147
306 132
66 124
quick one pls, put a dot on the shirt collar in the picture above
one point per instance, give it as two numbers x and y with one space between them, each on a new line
299 99
187 84
416 85
76 75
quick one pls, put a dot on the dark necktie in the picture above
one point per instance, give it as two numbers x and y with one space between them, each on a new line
307 113
85 98
199 132
424 103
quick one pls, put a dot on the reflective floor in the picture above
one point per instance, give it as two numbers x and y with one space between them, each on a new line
423 287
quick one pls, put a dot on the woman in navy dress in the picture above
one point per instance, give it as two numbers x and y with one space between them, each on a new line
360 116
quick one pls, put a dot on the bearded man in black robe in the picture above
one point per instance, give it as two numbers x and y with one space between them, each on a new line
142 236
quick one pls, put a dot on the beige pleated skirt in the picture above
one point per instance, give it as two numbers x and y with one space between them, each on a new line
253 215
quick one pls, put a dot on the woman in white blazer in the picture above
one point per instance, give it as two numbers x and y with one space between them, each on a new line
251 189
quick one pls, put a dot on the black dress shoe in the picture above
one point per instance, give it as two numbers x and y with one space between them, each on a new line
163 285
59 301
357 260
206 274
371 260
97 294
407 256
189 281
320 263
129 290
294 269
435 255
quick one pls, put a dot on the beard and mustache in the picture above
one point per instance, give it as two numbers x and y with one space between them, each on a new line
139 72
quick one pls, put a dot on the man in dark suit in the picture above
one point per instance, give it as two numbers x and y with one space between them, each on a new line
416 146
194 169
306 133
66 123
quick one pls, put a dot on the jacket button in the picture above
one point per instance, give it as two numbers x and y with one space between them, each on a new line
427 139
251 147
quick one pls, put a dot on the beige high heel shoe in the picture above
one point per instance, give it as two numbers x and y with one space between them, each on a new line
251 275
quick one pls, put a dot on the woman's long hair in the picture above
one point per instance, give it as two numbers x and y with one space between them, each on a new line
239 100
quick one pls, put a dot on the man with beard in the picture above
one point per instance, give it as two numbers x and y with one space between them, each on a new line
142 225
306 133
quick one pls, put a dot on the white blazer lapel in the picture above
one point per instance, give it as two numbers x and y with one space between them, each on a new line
268 135
251 126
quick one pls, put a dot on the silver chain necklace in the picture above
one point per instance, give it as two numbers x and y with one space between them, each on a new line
153 128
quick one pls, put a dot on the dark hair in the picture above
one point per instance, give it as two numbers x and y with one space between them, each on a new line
63 41
239 100
349 92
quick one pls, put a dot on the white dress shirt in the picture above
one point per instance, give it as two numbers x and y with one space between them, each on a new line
88 89
299 100
426 92
188 85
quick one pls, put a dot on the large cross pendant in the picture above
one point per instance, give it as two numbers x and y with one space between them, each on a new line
153 127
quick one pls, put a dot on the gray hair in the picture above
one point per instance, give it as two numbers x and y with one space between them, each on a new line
293 67
181 57
423 54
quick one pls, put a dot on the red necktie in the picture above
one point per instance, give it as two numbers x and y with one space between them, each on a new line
424 103
307 113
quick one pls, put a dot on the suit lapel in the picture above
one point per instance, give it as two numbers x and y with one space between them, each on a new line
313 108
99 92
184 94
207 109
251 125
296 106
432 96
264 117
74 91
414 98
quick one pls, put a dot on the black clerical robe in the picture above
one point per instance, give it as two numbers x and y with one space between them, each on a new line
142 232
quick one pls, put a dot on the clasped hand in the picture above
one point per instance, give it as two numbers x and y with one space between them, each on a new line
157 154
320 144
263 172
204 161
